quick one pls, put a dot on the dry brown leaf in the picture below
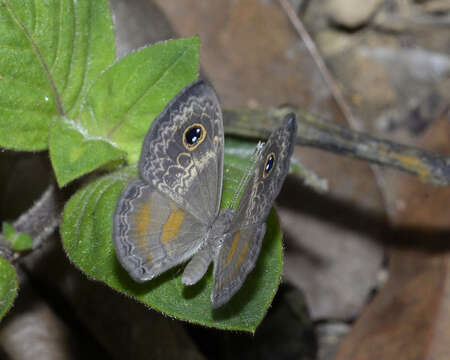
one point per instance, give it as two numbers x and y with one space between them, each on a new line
410 317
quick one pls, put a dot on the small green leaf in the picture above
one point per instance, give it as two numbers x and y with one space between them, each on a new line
8 231
18 241
127 97
50 52
73 153
8 286
120 107
87 238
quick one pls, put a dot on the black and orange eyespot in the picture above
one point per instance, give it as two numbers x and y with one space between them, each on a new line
193 136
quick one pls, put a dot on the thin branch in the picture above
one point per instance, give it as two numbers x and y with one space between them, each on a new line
5 249
310 45
335 91
39 221
42 218
428 166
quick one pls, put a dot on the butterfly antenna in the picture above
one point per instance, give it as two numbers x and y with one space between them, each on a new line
248 173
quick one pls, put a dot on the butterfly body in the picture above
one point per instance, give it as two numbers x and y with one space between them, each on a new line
215 236
172 212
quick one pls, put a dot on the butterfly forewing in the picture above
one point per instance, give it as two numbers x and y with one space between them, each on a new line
265 183
239 251
182 154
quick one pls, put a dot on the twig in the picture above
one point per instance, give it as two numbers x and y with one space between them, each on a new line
309 43
335 91
5 249
42 218
39 221
429 167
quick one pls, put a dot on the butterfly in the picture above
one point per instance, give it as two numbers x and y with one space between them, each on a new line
171 213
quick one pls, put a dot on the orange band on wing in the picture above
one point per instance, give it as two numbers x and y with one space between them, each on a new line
143 222
172 225
233 247
242 255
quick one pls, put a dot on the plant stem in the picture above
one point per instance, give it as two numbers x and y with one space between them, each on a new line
320 63
39 222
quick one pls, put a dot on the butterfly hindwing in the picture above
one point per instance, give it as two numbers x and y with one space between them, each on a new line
182 154
151 233
240 249
236 258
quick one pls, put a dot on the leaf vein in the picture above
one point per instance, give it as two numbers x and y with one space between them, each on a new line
38 56
33 16
122 120
85 204
22 111
15 48
58 38
28 85
72 51
86 62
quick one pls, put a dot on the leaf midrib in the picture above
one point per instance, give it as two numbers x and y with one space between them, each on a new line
123 119
38 55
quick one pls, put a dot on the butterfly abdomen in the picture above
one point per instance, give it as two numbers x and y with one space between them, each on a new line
197 267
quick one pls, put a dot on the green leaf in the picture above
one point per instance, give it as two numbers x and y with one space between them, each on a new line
18 241
8 286
87 238
74 153
8 231
120 107
50 53
127 97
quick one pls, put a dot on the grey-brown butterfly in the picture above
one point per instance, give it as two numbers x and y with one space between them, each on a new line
172 212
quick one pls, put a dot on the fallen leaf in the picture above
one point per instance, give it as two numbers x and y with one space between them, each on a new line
410 317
